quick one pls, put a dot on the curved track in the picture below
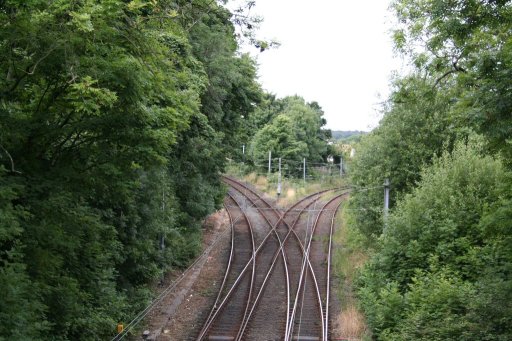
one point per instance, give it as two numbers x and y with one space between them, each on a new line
271 244
280 289
308 317
242 253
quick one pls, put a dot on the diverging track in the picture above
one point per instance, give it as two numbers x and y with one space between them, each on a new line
276 285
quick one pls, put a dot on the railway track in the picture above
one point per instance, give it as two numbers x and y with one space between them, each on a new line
317 236
309 317
279 291
242 253
270 245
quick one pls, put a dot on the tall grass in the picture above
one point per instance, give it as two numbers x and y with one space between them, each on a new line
350 324
348 256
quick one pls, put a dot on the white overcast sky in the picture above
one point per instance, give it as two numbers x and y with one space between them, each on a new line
336 52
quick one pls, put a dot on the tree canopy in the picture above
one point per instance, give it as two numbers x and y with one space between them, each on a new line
290 128
115 121
439 259
442 261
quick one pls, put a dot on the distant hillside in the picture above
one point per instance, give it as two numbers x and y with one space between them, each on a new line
347 136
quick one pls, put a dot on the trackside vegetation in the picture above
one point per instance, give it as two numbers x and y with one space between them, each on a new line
440 264
115 121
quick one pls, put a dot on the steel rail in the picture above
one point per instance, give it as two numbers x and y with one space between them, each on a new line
306 259
279 250
274 226
237 281
271 269
328 282
244 191
231 256
301 284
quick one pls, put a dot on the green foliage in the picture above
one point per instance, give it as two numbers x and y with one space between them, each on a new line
436 257
19 305
441 270
115 121
348 136
279 138
291 129
232 92
413 130
464 44
435 310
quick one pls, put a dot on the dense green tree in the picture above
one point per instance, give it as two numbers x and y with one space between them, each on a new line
467 44
278 137
290 128
440 259
232 92
442 255
115 120
19 305
269 107
414 129
308 121
94 97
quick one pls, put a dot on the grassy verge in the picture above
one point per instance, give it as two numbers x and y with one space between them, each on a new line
348 256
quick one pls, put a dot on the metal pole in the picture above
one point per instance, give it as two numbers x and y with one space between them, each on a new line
279 180
269 161
341 165
304 170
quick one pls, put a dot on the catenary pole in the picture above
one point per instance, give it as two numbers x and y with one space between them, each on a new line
304 170
269 161
279 180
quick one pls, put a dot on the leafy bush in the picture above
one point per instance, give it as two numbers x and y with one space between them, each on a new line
442 252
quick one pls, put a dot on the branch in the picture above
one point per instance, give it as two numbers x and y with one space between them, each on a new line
53 48
18 81
456 68
28 71
12 161
42 97
446 74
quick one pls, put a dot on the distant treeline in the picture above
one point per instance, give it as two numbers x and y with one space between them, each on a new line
349 135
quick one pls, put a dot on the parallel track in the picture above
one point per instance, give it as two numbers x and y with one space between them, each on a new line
308 317
242 253
311 300
269 245
281 266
